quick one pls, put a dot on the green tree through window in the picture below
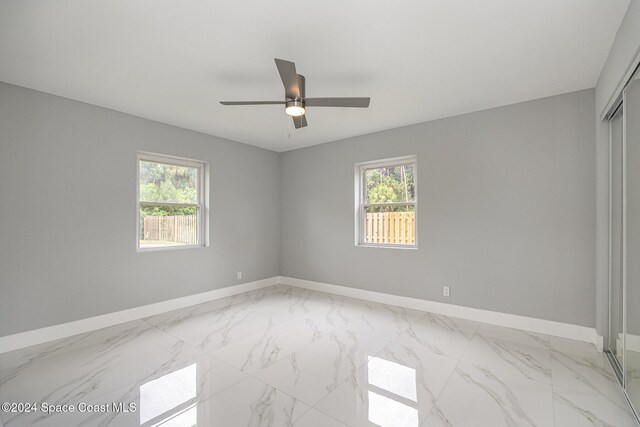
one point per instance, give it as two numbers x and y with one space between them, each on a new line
161 182
394 184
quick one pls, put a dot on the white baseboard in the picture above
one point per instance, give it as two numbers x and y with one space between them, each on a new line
531 324
64 330
51 333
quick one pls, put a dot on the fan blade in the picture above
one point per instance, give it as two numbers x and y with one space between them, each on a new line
299 121
251 102
337 102
289 78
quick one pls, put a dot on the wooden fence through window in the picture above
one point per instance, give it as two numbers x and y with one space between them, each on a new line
179 229
391 228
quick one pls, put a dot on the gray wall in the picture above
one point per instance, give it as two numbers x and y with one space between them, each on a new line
506 215
507 211
67 212
624 50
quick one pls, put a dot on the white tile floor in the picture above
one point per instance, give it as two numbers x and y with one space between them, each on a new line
284 356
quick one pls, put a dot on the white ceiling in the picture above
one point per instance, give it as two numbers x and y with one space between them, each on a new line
418 60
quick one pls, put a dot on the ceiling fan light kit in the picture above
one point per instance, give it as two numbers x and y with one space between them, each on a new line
295 108
296 103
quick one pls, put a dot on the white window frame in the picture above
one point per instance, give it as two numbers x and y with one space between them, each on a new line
201 205
360 205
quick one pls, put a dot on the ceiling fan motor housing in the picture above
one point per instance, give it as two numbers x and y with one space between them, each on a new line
295 107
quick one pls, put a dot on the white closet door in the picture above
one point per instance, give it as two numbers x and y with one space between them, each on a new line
632 239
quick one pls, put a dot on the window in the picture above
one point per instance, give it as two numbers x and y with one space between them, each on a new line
171 208
386 203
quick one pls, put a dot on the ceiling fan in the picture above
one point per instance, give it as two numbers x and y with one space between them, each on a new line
295 101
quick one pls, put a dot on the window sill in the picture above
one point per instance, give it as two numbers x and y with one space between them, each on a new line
370 245
169 248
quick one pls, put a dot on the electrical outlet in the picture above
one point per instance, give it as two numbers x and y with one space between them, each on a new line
446 291
239 275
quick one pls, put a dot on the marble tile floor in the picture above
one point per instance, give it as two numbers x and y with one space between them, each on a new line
285 356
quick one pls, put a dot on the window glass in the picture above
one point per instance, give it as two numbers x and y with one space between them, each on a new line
390 184
161 182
